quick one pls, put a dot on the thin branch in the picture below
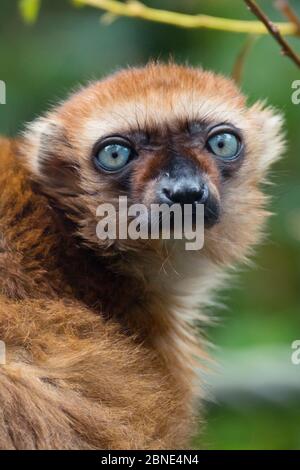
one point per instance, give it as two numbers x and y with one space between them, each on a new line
289 12
135 9
239 65
274 31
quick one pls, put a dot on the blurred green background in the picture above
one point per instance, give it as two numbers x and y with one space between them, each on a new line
254 392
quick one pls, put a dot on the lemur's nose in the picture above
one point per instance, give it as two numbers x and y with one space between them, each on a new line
183 182
184 191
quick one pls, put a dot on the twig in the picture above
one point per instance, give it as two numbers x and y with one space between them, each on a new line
135 9
289 12
274 31
239 65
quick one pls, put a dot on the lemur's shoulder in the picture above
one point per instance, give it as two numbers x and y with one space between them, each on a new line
16 193
13 175
7 153
26 228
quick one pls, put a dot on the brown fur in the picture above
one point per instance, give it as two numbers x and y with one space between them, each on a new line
100 336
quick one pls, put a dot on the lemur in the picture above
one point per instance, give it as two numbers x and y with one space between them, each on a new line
102 344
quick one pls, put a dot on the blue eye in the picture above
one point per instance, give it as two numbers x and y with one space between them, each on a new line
224 145
113 157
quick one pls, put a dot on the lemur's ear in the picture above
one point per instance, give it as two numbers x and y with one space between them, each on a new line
49 155
271 139
38 135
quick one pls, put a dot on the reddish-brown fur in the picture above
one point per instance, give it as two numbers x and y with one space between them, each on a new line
100 337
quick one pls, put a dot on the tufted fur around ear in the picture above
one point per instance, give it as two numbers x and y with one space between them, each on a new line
48 155
36 134
268 133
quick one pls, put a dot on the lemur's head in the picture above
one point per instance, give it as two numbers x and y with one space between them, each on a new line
162 133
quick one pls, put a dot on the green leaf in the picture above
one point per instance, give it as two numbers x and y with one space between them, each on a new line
29 10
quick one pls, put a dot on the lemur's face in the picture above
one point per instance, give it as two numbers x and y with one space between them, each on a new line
159 134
